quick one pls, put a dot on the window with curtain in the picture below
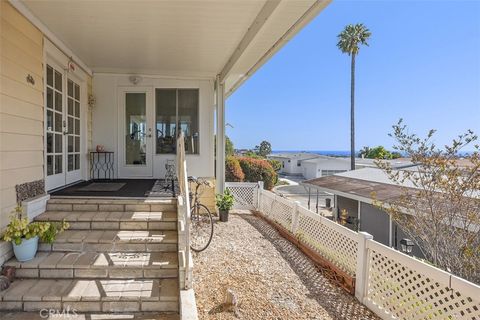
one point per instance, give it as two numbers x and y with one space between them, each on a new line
177 109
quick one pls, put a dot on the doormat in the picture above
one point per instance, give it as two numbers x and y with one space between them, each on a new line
103 186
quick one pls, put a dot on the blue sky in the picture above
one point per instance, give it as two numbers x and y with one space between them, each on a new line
422 65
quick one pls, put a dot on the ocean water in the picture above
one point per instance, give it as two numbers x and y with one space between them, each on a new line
331 153
342 153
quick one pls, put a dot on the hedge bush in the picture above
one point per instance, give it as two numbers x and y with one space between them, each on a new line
258 170
233 171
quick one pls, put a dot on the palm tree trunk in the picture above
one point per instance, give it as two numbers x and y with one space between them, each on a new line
352 115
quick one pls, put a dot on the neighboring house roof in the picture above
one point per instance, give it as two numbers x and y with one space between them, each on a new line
360 184
294 155
363 183
354 188
396 163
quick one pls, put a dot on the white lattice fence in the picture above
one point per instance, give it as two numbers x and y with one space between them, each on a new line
283 211
400 287
332 241
245 194
265 205
391 284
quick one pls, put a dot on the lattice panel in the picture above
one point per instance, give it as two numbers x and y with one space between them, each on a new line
403 293
334 246
266 204
245 195
283 213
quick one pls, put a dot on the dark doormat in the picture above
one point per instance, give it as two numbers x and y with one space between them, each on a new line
103 186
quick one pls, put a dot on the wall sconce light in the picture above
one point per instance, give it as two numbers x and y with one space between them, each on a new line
406 245
135 79
30 79
91 100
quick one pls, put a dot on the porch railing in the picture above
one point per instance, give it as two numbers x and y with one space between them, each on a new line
388 282
183 214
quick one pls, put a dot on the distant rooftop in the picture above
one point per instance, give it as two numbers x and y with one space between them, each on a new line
395 163
295 155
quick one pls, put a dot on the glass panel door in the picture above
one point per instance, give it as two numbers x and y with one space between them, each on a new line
135 128
63 128
73 116
55 126
136 119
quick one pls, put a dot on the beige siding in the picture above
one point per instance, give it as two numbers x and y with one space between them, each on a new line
21 105
207 194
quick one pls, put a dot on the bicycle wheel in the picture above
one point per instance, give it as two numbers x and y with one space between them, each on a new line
201 228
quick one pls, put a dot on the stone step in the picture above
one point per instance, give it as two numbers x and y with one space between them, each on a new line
98 204
111 265
114 220
107 295
65 315
113 241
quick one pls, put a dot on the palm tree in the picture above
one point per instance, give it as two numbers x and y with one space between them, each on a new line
349 41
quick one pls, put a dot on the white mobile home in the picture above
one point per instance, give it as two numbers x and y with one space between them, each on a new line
292 161
326 166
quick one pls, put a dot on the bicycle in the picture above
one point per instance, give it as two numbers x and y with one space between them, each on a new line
201 219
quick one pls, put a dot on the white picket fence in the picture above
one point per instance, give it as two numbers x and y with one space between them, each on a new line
388 282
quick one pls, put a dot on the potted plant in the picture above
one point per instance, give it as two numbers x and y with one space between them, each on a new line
24 235
224 204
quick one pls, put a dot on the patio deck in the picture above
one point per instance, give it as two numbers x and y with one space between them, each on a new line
271 277
127 188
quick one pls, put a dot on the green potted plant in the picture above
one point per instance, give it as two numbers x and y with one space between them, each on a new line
224 204
24 235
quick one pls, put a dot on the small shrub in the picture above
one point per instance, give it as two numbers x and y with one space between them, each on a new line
224 201
233 171
276 165
258 170
19 228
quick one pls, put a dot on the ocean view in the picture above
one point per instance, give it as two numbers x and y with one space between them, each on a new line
331 153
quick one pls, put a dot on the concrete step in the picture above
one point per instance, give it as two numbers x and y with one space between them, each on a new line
114 220
111 265
98 204
113 241
65 315
92 295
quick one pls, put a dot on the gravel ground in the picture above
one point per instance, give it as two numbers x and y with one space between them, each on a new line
270 277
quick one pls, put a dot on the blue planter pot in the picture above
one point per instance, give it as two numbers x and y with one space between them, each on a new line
26 250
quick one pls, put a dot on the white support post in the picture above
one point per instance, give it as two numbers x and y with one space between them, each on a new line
295 217
361 273
335 208
259 195
359 212
220 163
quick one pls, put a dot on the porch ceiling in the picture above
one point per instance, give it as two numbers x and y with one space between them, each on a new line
175 38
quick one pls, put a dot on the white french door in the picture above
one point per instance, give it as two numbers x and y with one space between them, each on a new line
63 136
135 129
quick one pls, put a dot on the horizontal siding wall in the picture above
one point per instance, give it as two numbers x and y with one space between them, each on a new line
21 106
